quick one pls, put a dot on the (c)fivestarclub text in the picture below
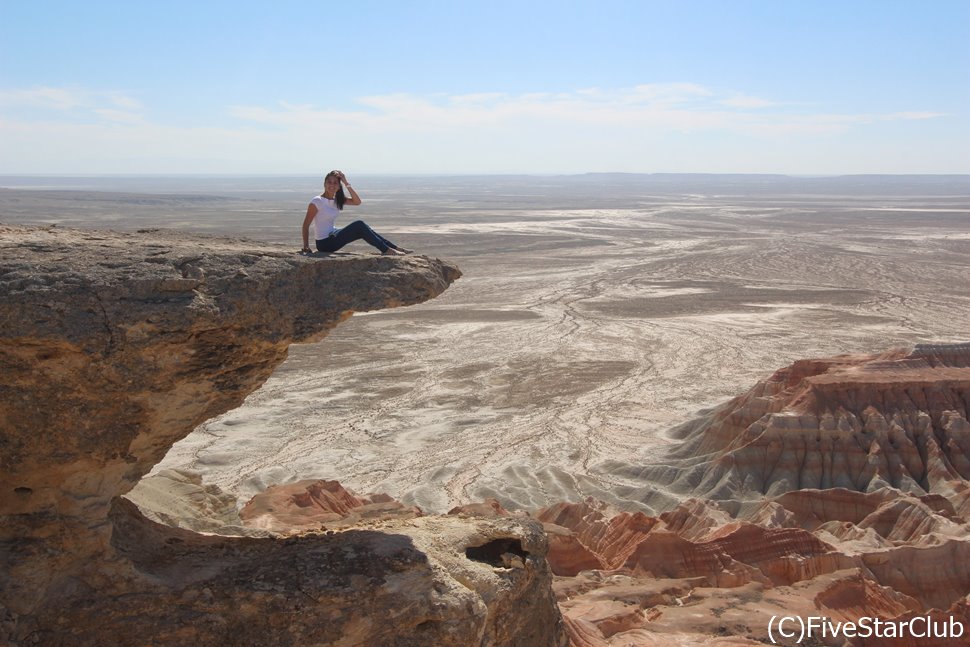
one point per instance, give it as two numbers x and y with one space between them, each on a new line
788 627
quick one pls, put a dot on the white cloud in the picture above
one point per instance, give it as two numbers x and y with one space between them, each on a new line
666 93
640 128
125 102
668 105
78 102
41 97
678 107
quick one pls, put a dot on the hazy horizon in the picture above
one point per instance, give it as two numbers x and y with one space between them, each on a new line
496 174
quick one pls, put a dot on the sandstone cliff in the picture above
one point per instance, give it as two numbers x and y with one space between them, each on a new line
113 347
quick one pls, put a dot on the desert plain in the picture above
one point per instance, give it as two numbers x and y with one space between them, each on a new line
595 314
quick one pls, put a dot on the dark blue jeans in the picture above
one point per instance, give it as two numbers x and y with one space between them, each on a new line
354 231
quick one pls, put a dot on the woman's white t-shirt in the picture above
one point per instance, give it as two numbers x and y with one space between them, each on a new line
327 213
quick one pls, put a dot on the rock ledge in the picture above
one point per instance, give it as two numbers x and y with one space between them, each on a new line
113 347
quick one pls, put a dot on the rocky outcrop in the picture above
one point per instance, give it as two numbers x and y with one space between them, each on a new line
113 347
424 581
315 504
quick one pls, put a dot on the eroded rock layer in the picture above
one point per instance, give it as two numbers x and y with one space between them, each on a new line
836 488
697 571
113 347
859 422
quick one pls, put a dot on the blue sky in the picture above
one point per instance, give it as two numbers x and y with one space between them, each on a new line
800 87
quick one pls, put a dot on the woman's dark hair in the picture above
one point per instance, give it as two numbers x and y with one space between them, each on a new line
339 198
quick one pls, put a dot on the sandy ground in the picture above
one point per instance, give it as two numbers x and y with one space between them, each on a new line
583 329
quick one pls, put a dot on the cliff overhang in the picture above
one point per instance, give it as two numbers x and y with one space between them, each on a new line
113 346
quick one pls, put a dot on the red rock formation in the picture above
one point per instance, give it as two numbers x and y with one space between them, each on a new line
567 554
856 596
611 539
316 504
695 519
855 422
488 508
865 462
855 575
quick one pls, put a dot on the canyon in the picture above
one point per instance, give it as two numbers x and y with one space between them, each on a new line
572 425
842 492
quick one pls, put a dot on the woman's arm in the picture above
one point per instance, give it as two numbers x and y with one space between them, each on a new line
311 213
354 199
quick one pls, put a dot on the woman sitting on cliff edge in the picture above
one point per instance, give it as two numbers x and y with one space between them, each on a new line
323 211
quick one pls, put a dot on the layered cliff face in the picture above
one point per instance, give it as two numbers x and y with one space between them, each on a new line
113 347
897 419
864 463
